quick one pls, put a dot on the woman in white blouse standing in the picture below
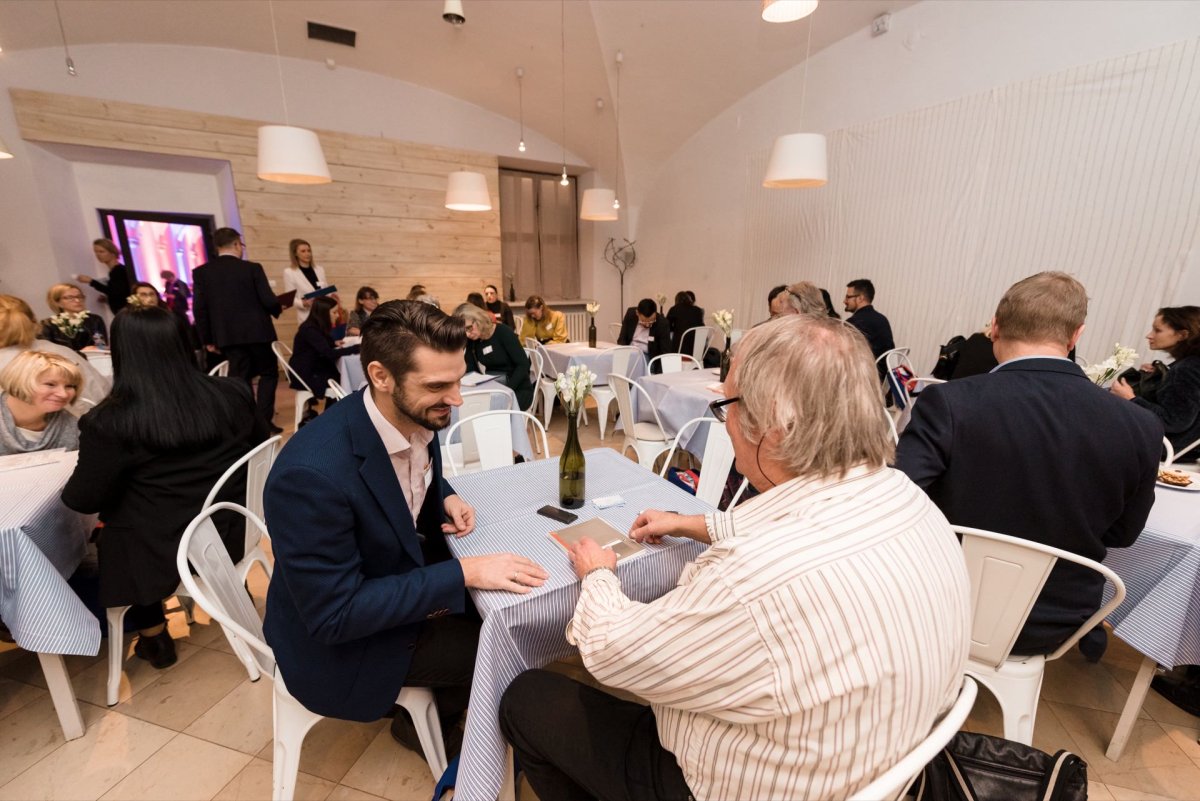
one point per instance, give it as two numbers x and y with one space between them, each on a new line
304 276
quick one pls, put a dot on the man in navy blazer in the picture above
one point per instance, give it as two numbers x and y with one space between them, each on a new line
1036 450
860 297
365 597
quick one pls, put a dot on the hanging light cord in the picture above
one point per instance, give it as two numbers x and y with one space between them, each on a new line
521 100
617 145
63 32
804 82
562 27
279 63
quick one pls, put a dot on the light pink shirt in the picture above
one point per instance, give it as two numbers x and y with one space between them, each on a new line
410 457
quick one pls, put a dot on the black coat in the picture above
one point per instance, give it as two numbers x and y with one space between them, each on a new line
233 303
681 318
502 354
875 327
117 288
315 357
660 333
147 498
1177 402
503 313
94 324
1036 450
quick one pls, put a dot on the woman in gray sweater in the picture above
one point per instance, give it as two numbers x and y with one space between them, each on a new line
35 391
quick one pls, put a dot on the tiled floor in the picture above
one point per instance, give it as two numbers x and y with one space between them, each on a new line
200 730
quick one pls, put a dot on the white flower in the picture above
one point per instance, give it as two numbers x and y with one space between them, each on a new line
70 323
573 385
1122 359
724 320
662 299
593 307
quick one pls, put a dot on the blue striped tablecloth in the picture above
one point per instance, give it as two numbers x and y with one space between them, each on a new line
683 396
1160 615
41 544
527 631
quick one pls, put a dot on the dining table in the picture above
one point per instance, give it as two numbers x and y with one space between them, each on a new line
521 632
682 396
42 542
597 359
1160 616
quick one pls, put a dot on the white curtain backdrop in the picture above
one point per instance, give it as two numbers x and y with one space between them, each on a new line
1092 171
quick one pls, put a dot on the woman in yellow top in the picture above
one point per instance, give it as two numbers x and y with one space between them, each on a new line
543 323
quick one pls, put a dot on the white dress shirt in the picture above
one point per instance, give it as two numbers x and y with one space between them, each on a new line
807 650
409 455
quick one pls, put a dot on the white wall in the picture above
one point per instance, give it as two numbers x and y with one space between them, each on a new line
707 225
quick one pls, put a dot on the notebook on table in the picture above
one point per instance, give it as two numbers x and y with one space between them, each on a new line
604 534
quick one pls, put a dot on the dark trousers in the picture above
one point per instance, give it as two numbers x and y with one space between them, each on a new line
256 360
577 742
443 660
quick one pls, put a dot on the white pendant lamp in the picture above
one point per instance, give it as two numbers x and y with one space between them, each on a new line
598 205
787 10
5 153
798 161
467 191
286 154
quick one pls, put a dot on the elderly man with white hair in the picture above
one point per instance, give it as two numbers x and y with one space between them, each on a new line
810 647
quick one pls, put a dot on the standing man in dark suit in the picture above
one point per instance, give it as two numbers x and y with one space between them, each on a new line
365 597
1035 450
645 329
233 305
860 294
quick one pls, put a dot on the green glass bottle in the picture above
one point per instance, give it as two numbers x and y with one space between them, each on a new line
572 468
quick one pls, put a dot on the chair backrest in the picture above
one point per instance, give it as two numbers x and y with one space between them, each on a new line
700 337
258 464
614 331
624 357
892 425
219 591
624 388
477 401
518 322
531 343
492 431
548 368
1170 452
280 349
718 458
1185 449
535 374
334 390
221 369
892 783
894 358
673 363
1007 574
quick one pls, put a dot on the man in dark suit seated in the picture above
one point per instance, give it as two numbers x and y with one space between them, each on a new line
365 597
1036 450
860 295
234 305
645 329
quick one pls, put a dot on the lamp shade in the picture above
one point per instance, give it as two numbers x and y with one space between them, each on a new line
797 162
289 155
787 10
5 153
468 191
598 205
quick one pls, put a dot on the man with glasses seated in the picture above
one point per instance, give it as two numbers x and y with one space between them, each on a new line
645 329
809 648
860 295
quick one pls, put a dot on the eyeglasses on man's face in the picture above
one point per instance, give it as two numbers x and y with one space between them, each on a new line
718 407
852 297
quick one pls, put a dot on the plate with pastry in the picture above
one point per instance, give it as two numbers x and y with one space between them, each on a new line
1178 479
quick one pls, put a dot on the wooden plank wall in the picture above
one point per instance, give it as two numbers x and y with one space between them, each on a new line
381 222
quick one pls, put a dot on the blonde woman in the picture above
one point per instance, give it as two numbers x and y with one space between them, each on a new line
304 276
36 390
18 333
117 286
495 350
66 326
543 323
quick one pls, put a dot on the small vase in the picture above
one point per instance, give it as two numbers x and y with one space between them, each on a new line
592 333
725 357
572 467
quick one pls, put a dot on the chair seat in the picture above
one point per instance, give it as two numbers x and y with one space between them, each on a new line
648 432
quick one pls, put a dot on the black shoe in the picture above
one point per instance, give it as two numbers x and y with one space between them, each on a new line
405 733
158 650
1183 694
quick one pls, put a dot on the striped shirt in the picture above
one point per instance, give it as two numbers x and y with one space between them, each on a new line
806 651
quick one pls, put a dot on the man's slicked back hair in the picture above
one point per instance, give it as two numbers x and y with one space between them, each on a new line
395 329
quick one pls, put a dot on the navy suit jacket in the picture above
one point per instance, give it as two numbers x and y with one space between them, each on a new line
1036 450
353 581
876 328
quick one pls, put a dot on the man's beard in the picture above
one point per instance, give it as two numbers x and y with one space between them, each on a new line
427 419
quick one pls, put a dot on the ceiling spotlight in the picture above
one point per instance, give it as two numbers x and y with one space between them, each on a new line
452 12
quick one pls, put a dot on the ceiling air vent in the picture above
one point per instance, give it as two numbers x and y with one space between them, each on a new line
328 33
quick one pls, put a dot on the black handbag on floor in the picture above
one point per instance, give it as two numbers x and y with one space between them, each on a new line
977 767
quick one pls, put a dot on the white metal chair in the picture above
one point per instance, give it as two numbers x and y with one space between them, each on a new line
648 440
492 432
221 369
718 458
892 783
334 390
535 376
624 358
258 464
465 451
218 590
672 363
701 336
282 354
545 385
1172 454
614 331
1007 574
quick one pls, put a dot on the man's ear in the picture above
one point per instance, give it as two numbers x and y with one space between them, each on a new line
380 377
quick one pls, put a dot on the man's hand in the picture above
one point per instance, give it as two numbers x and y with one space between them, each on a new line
652 525
211 348
1121 389
586 556
502 571
462 517
84 279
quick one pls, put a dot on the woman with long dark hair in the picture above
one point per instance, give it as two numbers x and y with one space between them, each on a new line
148 456
1176 330
314 353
